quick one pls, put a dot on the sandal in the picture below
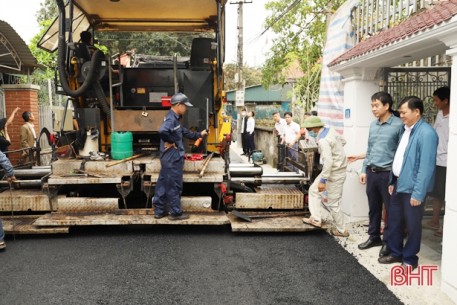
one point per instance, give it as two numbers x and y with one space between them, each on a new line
337 233
430 226
439 233
313 222
2 244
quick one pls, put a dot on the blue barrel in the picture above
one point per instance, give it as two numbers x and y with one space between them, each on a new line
121 145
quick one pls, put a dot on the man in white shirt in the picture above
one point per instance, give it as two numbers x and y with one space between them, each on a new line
291 137
250 125
279 125
244 134
441 99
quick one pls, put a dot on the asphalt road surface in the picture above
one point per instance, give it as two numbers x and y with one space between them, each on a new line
183 265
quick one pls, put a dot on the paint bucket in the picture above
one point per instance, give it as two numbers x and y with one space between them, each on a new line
121 145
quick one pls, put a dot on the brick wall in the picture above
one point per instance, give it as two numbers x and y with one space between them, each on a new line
24 96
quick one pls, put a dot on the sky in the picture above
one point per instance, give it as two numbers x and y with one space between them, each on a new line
21 15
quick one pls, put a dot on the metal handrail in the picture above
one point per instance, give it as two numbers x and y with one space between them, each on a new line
373 16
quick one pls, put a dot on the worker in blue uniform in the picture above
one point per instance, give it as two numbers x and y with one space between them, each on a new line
169 185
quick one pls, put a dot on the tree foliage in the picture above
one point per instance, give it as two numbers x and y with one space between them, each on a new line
300 28
156 44
48 61
252 76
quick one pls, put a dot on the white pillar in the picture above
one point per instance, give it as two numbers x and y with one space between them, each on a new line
448 264
359 86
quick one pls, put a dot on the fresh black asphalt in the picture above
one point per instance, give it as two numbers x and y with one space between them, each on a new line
183 265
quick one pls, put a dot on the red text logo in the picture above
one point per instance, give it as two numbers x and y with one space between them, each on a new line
405 275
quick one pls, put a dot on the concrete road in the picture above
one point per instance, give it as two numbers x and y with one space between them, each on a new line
183 265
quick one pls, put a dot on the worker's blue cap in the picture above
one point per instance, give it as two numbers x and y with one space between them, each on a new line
180 98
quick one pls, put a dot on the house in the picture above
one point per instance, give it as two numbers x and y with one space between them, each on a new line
429 32
15 60
263 101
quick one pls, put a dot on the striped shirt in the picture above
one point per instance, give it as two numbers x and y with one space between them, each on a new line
383 139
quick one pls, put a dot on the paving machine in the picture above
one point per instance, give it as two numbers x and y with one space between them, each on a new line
94 180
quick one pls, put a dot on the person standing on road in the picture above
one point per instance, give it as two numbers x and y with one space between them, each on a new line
291 136
9 173
383 138
441 98
250 132
28 137
244 133
279 126
5 140
169 184
412 176
332 177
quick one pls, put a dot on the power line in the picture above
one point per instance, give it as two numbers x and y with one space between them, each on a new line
288 9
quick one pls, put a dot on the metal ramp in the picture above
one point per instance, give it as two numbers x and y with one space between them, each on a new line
57 219
25 224
274 224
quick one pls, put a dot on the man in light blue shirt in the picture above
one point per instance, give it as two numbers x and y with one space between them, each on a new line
383 139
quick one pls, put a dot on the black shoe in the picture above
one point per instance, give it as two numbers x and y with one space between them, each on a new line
161 215
370 243
384 250
178 217
243 154
389 259
405 266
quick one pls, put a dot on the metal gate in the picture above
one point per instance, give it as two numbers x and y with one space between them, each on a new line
421 82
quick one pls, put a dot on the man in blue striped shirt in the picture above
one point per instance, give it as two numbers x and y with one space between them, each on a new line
383 138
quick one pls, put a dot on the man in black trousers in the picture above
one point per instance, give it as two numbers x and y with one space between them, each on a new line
244 133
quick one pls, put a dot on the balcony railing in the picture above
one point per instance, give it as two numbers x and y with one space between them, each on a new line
373 16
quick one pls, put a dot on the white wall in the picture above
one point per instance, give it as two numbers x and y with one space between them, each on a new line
448 260
358 116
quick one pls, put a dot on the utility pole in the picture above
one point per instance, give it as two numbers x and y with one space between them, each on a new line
239 80
239 63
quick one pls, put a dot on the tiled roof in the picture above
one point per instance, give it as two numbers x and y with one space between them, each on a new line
440 12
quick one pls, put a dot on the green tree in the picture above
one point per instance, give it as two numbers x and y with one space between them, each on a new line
300 28
156 44
48 11
252 76
48 61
